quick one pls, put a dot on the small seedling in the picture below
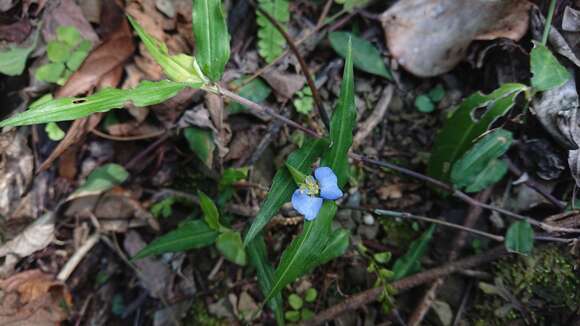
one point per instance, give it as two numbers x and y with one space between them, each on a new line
65 54
426 102
304 101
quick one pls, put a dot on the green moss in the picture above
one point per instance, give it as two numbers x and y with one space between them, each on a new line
544 286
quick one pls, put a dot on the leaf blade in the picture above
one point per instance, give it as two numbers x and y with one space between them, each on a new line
190 235
365 55
71 108
547 72
212 37
342 125
520 238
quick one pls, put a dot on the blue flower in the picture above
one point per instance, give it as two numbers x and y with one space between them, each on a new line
305 199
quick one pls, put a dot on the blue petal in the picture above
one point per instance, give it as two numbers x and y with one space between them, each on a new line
328 183
306 205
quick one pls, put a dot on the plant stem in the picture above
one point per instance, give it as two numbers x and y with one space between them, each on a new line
548 25
390 213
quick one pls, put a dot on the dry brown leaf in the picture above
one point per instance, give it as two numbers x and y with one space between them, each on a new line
16 167
285 85
154 275
429 38
33 298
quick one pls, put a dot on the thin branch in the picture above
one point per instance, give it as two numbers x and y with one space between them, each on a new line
303 65
363 298
396 214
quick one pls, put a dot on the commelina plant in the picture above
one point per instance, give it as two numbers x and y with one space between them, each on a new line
318 242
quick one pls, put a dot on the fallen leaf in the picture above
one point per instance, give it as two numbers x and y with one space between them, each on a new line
33 298
426 51
154 275
285 85
16 169
35 237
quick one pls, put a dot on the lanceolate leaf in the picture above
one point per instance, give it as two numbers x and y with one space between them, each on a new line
365 55
410 263
305 251
520 238
341 125
259 258
270 41
479 167
466 124
211 215
283 184
70 108
212 40
189 235
100 180
336 246
179 68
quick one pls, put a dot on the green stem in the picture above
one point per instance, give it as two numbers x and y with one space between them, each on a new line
548 22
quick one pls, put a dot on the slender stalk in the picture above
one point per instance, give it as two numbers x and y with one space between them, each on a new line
390 213
548 25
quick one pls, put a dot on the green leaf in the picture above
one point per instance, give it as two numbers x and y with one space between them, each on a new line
270 42
382 257
424 104
100 180
520 238
547 72
283 185
201 143
410 263
437 93
180 68
466 124
292 315
304 104
211 214
342 125
310 295
69 35
305 251
58 51
232 175
13 60
229 243
50 72
336 246
259 259
295 301
70 108
76 59
163 208
307 314
365 55
479 167
350 5
189 235
54 132
212 40
256 91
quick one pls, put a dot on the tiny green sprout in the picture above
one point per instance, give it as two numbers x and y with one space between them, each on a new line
53 131
304 103
295 301
292 315
310 295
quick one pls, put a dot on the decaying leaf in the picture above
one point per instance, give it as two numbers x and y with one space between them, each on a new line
427 51
33 298
16 168
35 237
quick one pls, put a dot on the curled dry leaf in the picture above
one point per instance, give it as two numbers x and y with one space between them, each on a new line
33 298
16 166
427 51
35 237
